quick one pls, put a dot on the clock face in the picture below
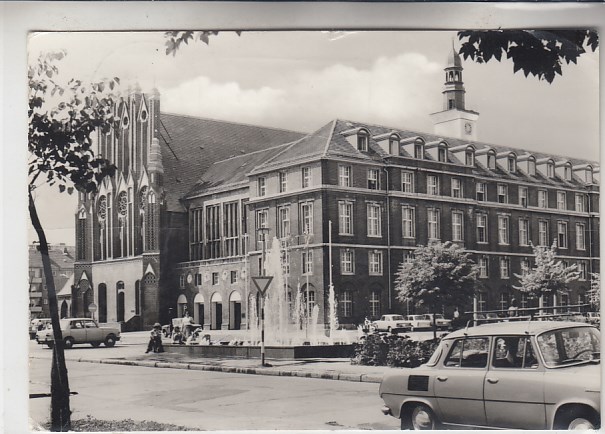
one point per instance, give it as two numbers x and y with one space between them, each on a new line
468 128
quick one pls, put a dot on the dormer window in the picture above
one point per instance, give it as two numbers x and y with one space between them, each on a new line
512 164
419 151
394 144
362 140
588 175
442 154
567 172
550 169
531 166
491 161
469 157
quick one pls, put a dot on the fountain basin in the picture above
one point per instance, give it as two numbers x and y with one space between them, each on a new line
292 352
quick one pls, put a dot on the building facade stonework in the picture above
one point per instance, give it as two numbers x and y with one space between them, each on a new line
177 228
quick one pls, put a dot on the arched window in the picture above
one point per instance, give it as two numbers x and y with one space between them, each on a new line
150 233
137 297
394 144
419 150
81 234
142 207
102 217
491 160
512 163
120 305
122 221
550 169
102 302
531 166
469 157
588 175
363 137
442 153
567 172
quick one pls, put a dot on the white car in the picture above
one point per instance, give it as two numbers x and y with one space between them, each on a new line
80 331
390 323
416 322
441 322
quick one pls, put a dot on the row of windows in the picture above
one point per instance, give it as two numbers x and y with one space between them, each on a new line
510 158
306 181
213 277
283 220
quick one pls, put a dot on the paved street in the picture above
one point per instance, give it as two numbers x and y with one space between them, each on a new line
212 401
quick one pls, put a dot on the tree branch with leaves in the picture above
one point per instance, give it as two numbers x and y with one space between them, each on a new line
62 119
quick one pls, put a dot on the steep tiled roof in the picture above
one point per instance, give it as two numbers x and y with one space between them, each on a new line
190 145
60 256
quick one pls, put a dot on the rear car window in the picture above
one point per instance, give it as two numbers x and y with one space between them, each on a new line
468 353
514 352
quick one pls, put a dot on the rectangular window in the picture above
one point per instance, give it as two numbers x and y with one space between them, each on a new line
283 182
373 179
502 193
542 199
469 158
523 232
580 202
408 221
457 226
345 218
262 186
198 279
306 177
182 281
408 256
344 176
418 151
542 233
433 224
531 167
483 267
504 268
523 196
215 278
482 228
524 266
481 191
375 303
374 220
481 301
306 220
512 165
503 232
456 187
580 236
468 353
233 276
550 170
262 221
346 304
582 268
347 261
231 229
562 235
213 231
561 200
283 215
375 263
407 182
491 161
432 185
442 155
307 262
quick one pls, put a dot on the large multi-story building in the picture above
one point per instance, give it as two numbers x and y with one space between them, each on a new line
62 265
178 227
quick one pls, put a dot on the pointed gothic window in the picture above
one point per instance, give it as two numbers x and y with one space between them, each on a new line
102 215
122 222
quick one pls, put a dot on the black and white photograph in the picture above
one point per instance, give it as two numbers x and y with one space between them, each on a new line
313 229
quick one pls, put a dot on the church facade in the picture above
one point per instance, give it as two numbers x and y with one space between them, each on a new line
177 228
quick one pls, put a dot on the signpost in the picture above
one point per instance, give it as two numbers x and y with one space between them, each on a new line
262 283
92 308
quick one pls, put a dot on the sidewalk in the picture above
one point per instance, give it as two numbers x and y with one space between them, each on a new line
130 351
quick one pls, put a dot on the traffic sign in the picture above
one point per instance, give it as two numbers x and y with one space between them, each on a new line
92 307
262 283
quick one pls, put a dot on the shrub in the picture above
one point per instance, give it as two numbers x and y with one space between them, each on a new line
392 350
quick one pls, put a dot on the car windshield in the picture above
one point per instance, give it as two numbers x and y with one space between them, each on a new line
570 346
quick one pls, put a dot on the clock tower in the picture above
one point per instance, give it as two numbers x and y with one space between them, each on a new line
455 120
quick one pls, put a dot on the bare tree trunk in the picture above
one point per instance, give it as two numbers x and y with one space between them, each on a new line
60 415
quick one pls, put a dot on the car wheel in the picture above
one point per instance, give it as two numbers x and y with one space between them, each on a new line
95 344
419 417
580 423
68 343
110 341
575 418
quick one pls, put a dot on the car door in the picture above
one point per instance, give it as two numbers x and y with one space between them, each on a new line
93 332
77 330
459 382
514 385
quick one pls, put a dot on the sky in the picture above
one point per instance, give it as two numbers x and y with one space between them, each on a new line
301 80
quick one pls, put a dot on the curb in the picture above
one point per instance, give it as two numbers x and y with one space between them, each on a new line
324 375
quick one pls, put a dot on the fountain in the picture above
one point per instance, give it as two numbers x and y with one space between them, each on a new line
290 332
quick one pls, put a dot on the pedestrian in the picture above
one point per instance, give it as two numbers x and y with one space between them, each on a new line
177 336
456 314
155 339
513 309
186 323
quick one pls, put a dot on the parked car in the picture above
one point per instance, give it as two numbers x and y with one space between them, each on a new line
593 318
515 375
418 322
80 331
390 323
37 324
441 322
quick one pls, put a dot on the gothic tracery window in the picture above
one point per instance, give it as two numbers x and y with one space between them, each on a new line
102 215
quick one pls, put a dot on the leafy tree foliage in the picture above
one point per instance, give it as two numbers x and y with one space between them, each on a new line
548 276
174 39
537 52
62 118
440 274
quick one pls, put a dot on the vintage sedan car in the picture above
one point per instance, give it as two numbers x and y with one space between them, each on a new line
418 322
36 325
441 322
391 323
515 375
80 331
